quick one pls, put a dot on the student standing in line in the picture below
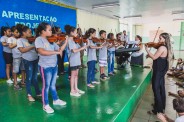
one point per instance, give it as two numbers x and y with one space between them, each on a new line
103 56
17 58
90 34
48 52
30 59
111 56
74 60
7 52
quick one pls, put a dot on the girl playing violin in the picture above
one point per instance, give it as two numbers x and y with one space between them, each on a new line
48 64
161 62
74 60
90 34
111 55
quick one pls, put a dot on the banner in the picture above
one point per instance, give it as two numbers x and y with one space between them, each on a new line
31 13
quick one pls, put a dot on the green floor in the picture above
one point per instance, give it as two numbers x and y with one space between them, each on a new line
113 100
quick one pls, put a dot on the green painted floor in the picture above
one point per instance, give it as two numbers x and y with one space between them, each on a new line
113 100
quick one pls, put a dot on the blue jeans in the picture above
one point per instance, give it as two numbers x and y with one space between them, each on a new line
91 71
111 55
31 68
49 82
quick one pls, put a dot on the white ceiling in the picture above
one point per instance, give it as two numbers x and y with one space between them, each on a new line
146 8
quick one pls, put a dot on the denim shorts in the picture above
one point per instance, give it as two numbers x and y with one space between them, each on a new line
74 68
18 64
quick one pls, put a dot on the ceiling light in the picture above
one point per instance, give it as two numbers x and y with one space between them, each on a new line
133 16
178 19
116 16
105 5
178 12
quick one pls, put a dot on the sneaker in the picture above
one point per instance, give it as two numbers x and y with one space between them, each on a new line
81 92
57 76
59 102
31 99
95 82
75 94
110 74
17 87
48 109
18 79
91 86
9 81
105 76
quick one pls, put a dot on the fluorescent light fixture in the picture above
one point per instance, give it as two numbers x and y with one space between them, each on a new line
178 12
133 16
117 16
178 19
105 5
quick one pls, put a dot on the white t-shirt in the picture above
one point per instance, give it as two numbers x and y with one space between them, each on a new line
15 51
46 61
180 119
31 55
6 48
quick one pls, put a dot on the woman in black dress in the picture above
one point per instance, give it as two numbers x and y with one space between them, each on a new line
161 60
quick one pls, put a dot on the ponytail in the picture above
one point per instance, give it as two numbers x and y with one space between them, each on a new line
42 26
90 31
69 29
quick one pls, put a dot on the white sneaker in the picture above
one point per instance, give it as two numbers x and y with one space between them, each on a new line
9 81
75 94
48 109
57 76
95 82
90 85
18 80
59 102
81 92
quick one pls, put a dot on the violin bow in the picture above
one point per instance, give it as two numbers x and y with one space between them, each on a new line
155 36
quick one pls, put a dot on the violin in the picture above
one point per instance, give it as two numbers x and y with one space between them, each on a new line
155 45
77 40
95 39
61 37
52 39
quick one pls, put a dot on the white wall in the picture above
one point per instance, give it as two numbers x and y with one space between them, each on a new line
88 20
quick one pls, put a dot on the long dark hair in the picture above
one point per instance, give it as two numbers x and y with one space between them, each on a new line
69 29
55 29
22 28
110 35
139 37
42 26
89 31
3 29
166 36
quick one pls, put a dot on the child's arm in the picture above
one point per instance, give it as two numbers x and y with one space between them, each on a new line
11 46
47 52
79 49
24 50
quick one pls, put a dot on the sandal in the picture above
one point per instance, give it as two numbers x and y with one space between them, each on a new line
22 83
152 112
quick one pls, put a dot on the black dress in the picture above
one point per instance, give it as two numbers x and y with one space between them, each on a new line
160 67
